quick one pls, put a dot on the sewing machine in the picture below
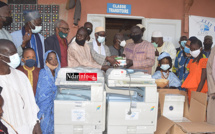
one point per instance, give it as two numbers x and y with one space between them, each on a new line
80 104
132 102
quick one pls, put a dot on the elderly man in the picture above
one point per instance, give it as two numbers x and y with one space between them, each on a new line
100 52
208 42
20 108
5 20
79 52
161 46
211 89
58 41
140 54
118 45
29 36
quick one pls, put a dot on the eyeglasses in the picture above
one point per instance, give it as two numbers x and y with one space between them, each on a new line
65 29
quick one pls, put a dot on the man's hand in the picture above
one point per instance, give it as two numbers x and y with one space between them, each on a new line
26 38
129 63
156 53
105 68
112 60
37 129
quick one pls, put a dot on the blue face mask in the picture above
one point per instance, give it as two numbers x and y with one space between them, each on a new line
165 67
186 50
30 62
183 43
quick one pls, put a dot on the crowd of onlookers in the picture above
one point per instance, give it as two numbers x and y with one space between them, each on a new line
29 65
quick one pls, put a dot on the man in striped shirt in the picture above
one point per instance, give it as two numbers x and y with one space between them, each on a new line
140 54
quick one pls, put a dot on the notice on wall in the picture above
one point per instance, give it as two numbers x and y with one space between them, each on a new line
118 8
201 26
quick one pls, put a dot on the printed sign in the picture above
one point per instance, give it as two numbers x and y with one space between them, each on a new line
78 115
118 8
201 26
81 76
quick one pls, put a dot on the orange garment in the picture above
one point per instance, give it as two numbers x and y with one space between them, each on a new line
194 77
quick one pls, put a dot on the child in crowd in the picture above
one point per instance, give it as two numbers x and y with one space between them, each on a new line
32 72
182 59
163 70
197 78
47 90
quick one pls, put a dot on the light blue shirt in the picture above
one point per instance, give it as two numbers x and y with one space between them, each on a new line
173 79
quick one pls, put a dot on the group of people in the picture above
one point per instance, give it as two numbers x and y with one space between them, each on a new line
29 65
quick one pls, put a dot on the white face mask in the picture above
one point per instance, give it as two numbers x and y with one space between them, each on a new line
101 39
37 29
14 60
195 53
122 43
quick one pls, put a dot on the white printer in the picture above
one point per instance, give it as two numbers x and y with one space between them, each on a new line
132 102
80 104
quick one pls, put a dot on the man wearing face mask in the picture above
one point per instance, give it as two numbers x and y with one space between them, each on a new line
6 20
141 53
20 108
100 52
29 36
182 42
161 46
208 42
58 41
118 47
79 52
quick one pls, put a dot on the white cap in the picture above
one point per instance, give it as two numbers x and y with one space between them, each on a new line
140 26
157 34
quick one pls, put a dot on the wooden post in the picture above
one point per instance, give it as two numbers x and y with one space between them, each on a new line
187 6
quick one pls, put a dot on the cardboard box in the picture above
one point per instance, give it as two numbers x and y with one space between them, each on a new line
196 113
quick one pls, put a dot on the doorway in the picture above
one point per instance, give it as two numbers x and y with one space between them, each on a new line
117 25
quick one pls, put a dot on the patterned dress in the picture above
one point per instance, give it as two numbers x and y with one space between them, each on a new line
45 95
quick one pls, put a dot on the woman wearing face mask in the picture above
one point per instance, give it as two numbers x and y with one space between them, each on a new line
46 91
29 69
163 71
197 79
